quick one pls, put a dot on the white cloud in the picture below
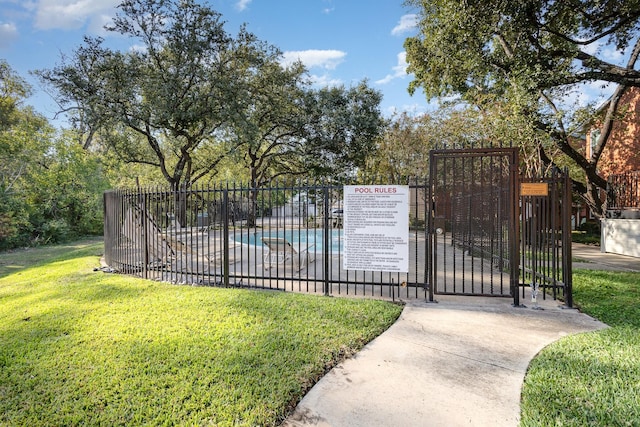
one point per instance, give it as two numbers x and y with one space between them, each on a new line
325 80
613 55
242 4
606 52
71 14
592 48
399 71
327 59
406 24
97 23
8 33
587 93
138 48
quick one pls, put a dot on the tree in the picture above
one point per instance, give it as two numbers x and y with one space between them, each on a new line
291 129
50 188
24 142
531 55
343 126
269 130
403 149
67 191
288 129
165 103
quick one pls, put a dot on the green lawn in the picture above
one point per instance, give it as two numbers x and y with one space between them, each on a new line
591 379
84 347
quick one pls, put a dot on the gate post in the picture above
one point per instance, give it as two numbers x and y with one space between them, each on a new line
514 246
430 226
567 268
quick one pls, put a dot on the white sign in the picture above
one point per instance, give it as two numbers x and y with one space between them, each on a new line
376 228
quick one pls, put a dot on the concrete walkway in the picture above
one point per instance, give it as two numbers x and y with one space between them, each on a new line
589 257
458 362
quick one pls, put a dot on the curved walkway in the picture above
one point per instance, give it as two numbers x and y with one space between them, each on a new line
460 361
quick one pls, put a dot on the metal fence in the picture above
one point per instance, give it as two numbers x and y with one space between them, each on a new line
623 195
471 239
282 237
545 236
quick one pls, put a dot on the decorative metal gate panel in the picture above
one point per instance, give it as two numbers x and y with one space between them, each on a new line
473 233
545 230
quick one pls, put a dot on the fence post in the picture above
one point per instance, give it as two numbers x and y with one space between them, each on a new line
145 233
431 210
225 236
326 241
567 269
514 231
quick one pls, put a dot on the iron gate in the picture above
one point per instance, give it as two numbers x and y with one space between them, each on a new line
473 239
486 237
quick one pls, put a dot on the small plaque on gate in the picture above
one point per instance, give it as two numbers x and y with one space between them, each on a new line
534 189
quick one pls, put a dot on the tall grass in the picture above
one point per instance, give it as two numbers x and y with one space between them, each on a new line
87 348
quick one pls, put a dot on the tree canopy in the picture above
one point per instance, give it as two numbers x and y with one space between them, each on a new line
531 54
191 94
162 103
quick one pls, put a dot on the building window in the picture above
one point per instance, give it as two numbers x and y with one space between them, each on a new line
595 135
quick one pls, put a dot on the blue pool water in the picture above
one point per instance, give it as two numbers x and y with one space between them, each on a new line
302 237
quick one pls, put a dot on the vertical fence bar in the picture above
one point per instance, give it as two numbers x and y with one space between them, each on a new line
567 273
326 241
145 233
431 232
225 236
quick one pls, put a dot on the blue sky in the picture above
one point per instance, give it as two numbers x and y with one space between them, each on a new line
340 41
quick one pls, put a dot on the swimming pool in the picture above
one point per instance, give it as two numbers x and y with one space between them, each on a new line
303 237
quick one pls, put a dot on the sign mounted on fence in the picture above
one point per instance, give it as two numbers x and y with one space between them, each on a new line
376 228
534 189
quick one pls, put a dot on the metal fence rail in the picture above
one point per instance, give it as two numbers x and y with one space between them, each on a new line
274 237
623 192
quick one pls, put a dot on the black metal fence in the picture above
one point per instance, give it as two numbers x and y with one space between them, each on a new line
479 238
623 195
545 236
280 237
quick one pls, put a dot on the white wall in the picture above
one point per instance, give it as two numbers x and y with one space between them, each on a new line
621 236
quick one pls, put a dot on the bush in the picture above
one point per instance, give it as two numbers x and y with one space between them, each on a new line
54 231
590 227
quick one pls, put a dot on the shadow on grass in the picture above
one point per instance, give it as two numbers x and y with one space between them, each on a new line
20 259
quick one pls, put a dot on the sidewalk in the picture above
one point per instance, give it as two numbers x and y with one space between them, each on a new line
458 362
593 259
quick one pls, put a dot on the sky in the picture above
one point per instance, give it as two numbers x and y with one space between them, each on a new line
341 42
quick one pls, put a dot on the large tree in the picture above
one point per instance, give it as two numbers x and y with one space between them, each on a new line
165 102
530 54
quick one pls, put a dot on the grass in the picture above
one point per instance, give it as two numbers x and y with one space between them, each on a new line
591 379
87 348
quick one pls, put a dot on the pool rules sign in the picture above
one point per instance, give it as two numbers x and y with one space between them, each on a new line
376 228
